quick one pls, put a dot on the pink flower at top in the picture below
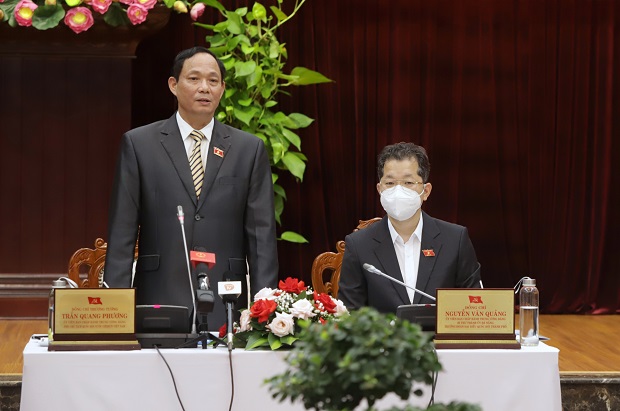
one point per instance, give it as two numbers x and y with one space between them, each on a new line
127 2
147 4
79 19
137 13
101 6
197 10
24 12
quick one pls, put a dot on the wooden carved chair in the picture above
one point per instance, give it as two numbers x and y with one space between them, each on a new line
326 266
88 263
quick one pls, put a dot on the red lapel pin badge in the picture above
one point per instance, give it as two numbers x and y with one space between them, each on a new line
428 253
218 152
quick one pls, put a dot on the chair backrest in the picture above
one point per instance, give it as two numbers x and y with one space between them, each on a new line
326 266
93 260
90 262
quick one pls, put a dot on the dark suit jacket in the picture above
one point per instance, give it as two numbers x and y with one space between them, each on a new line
233 219
453 266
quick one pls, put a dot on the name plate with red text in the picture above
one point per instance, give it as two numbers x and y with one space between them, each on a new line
475 318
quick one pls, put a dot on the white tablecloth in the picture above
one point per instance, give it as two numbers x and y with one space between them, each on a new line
498 380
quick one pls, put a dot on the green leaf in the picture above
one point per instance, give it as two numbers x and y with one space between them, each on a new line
279 190
270 103
274 178
307 76
213 3
244 116
274 341
235 25
288 339
259 12
256 340
46 17
301 120
294 164
279 207
292 137
255 78
278 152
244 68
247 49
274 49
116 16
293 237
279 14
245 102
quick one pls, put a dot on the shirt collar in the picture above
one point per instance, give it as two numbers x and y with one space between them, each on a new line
417 232
186 129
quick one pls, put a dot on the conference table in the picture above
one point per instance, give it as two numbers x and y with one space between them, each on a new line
497 380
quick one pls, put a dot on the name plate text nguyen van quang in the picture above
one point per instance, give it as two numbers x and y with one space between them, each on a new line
475 318
94 319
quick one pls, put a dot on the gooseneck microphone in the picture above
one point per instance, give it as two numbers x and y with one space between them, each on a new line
229 291
181 217
371 269
202 262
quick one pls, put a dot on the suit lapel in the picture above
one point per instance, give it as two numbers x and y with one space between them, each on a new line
430 241
389 262
216 153
172 142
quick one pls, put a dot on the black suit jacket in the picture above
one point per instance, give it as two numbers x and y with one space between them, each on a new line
454 265
233 219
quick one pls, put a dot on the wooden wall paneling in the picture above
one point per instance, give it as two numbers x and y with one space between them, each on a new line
10 159
66 101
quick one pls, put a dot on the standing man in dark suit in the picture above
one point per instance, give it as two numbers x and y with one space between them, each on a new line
226 195
408 244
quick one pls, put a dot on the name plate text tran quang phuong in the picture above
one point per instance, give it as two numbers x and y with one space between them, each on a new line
94 319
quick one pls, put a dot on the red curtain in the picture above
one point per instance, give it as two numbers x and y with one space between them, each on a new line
517 105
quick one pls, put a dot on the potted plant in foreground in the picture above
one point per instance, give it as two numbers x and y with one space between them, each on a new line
362 357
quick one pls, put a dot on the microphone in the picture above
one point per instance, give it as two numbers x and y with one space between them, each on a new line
203 262
229 291
181 217
371 268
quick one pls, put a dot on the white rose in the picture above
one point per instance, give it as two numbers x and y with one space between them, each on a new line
340 308
302 309
283 324
265 294
244 321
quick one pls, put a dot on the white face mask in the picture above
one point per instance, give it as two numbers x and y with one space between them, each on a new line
401 203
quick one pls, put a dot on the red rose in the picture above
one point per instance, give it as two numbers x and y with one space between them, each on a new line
292 285
328 304
223 330
262 309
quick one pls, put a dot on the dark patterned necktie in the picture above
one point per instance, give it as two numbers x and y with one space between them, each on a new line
195 162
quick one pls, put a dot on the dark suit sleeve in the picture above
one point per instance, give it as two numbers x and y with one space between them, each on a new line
260 224
352 287
468 275
123 217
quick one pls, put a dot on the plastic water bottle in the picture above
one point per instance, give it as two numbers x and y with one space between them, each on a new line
528 313
60 283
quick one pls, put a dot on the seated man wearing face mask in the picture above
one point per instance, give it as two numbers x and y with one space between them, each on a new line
407 244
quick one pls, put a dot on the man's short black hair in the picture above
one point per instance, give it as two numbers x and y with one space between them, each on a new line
179 60
405 151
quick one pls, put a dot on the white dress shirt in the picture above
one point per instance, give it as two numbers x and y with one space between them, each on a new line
408 255
186 130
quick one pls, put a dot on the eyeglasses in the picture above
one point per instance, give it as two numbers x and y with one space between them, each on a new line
405 183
